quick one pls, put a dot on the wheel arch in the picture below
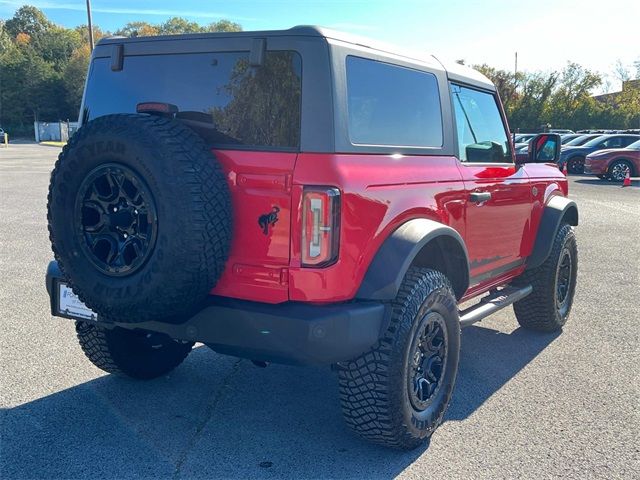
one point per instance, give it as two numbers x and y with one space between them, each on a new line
557 211
418 242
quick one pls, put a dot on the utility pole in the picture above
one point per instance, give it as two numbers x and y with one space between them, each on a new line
90 24
515 70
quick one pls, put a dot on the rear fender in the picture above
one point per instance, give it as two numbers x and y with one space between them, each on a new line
420 242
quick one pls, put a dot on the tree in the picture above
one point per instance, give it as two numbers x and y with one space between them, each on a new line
533 100
74 76
621 71
574 91
5 39
27 20
178 25
56 45
223 26
25 79
138 29
175 26
83 31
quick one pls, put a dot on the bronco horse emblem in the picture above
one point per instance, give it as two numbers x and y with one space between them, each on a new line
268 219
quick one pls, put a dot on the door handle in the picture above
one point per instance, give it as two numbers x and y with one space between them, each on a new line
479 197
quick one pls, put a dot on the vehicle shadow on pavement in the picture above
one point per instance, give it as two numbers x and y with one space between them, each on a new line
489 359
597 181
217 416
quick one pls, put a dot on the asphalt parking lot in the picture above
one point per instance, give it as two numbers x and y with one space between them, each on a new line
526 405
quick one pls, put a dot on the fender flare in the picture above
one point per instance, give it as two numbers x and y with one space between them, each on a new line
557 210
398 252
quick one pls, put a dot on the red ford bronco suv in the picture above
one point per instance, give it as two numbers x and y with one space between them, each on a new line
303 197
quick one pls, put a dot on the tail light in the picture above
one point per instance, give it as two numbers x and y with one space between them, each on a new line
320 226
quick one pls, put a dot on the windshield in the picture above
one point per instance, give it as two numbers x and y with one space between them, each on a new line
581 140
565 139
634 145
594 142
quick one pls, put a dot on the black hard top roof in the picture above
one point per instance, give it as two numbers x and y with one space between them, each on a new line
454 70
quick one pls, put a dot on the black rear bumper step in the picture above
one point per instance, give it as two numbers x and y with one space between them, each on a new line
290 332
492 303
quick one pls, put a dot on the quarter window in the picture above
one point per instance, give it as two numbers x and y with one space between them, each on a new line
482 136
392 105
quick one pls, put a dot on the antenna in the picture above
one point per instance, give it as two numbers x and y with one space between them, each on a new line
90 24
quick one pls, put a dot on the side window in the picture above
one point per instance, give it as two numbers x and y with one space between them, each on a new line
626 141
613 142
482 136
392 105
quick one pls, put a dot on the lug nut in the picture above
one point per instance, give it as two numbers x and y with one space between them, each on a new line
125 235
115 209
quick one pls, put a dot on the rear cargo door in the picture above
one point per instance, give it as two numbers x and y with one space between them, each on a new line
260 184
243 97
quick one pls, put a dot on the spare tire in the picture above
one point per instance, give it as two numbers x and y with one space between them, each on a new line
139 215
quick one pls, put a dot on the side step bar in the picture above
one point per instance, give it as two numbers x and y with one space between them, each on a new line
493 302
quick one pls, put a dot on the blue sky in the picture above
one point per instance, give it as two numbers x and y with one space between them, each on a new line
545 33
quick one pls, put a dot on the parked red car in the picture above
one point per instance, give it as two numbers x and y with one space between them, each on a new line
614 164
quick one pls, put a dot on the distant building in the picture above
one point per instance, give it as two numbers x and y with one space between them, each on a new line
54 131
611 97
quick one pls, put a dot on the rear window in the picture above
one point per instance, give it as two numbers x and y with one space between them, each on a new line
230 103
392 105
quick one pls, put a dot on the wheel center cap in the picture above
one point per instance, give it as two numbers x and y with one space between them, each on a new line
123 218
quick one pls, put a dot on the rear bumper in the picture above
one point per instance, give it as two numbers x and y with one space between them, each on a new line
292 332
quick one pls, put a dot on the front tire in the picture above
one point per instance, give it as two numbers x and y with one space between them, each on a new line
396 394
547 308
575 165
138 354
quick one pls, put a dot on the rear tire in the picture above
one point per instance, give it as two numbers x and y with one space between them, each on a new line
138 354
547 308
396 394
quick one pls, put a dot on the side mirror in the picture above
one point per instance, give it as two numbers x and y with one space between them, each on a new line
545 148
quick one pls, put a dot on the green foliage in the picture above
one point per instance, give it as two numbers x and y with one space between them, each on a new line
223 26
74 75
56 45
43 66
562 100
138 29
174 26
177 25
27 20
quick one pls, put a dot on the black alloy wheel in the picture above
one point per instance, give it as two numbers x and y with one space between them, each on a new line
428 361
564 282
619 170
118 219
575 165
